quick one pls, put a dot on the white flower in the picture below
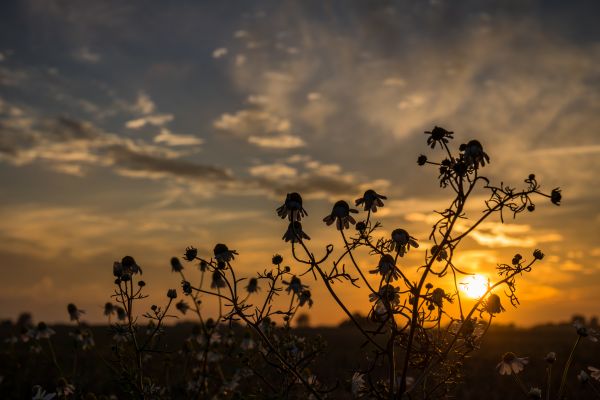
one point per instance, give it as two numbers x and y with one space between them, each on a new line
40 394
511 364
595 373
358 384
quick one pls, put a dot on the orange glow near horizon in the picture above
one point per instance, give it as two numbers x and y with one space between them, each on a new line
474 286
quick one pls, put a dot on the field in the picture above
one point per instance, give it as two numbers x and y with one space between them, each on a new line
21 370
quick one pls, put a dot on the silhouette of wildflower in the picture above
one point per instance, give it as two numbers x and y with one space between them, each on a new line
537 254
182 306
555 196
247 342
304 298
222 253
217 281
117 269
401 241
438 295
517 259
277 259
473 154
492 304
130 266
294 233
190 253
438 136
387 294
422 160
43 331
292 207
340 214
109 309
585 332
74 312
442 254
203 266
172 293
387 268
252 286
295 285
121 314
511 364
176 265
371 200
186 287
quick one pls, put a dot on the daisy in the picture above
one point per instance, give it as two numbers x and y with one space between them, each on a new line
371 200
358 384
387 268
292 207
340 214
40 394
294 233
74 312
511 364
401 241
387 294
595 373
438 136
304 298
473 154
492 304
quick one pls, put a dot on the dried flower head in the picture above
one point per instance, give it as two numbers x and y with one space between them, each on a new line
252 286
387 268
555 196
130 266
217 281
295 285
74 312
109 309
304 298
277 259
537 254
422 160
172 293
190 253
550 357
182 306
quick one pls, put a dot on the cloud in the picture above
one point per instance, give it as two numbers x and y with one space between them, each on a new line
277 142
86 55
220 52
144 104
172 139
156 120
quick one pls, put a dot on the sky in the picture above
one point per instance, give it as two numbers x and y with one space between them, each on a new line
143 127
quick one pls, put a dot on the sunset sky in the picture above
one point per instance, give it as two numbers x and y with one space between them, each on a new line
143 127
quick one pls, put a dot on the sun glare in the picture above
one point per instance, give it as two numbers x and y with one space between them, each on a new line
474 286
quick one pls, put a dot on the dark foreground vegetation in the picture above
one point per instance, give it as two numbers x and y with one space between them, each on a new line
21 369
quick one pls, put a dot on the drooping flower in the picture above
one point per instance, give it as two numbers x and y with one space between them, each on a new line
401 241
223 254
217 280
371 200
294 233
492 304
182 306
295 285
292 207
585 332
40 394
176 265
340 214
252 286
74 312
438 295
43 331
358 384
386 295
130 266
594 372
422 160
442 254
172 294
511 364
438 136
304 298
473 154
555 196
387 268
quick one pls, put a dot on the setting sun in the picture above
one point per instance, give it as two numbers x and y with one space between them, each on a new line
474 286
